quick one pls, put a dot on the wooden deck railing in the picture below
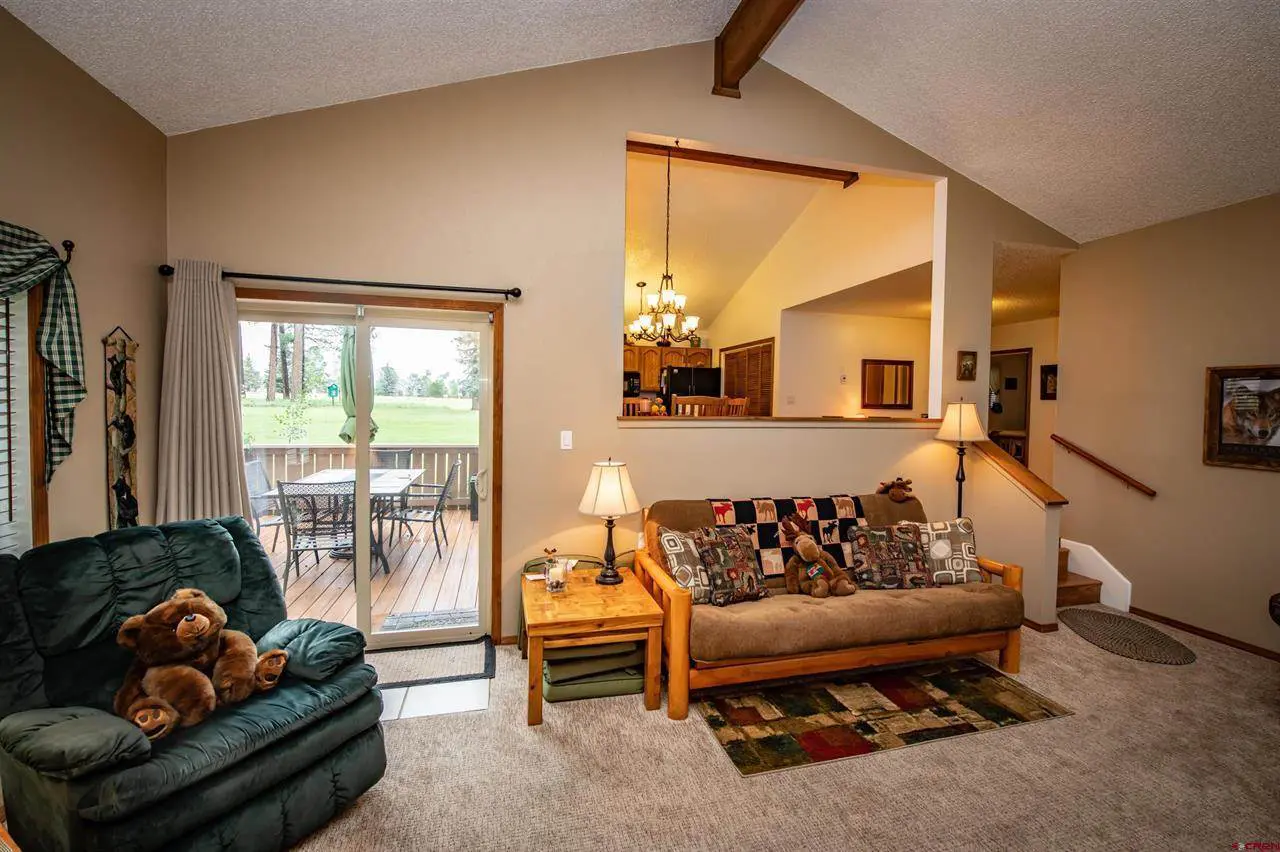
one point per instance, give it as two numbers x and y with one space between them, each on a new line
1128 480
288 462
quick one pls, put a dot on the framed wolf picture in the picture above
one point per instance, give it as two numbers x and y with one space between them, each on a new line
119 350
1242 417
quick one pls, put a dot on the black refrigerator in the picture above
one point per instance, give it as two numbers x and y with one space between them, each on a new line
688 381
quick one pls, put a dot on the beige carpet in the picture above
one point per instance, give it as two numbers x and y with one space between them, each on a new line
1155 757
431 662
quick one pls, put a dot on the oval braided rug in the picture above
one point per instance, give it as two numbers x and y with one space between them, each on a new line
1126 636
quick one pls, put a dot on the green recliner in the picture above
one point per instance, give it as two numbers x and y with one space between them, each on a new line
258 775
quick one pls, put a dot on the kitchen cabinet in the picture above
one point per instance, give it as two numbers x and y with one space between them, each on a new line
650 367
649 361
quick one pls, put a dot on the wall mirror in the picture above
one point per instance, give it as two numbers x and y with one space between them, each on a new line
887 384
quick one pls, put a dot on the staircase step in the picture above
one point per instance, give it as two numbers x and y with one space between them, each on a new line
1077 589
1064 557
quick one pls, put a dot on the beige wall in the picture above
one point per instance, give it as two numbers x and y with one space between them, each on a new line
1143 315
519 180
77 163
1041 336
815 349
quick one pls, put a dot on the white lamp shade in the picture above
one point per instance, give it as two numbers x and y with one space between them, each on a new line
609 493
961 423
691 323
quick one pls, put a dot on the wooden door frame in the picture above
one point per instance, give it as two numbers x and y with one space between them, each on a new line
495 310
1026 414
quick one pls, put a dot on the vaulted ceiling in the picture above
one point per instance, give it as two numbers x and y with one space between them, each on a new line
720 230
1095 116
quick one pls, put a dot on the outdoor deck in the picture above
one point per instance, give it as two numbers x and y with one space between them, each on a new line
419 582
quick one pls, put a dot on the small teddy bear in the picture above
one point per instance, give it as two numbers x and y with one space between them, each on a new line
899 490
187 664
811 570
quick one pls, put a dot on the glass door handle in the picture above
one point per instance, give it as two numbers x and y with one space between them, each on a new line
482 484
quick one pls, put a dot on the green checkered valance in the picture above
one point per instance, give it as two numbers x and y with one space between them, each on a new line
27 259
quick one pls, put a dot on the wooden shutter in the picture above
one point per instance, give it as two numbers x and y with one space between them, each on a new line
15 447
748 372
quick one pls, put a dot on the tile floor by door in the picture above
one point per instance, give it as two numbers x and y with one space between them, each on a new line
435 699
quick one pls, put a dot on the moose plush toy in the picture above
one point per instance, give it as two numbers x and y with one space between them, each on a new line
811 570
899 490
188 665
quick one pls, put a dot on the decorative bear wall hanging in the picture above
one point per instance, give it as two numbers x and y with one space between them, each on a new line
122 415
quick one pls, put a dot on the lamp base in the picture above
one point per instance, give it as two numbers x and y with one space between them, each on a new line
609 575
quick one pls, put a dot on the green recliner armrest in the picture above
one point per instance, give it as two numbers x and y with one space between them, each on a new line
68 742
316 648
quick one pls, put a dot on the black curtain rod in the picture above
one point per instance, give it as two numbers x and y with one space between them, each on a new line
512 293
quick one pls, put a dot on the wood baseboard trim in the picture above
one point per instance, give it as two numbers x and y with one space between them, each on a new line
1208 634
1040 628
504 640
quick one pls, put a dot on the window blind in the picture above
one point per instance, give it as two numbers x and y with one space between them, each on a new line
15 447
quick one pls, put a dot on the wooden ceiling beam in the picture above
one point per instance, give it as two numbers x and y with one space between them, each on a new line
744 38
846 178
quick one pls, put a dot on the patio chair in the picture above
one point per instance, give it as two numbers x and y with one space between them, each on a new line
262 501
317 516
437 496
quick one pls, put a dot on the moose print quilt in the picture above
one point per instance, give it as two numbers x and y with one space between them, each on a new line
830 519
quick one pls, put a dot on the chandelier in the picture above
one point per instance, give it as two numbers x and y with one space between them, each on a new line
661 319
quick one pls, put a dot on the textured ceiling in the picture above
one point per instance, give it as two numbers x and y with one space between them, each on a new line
720 227
190 64
1095 116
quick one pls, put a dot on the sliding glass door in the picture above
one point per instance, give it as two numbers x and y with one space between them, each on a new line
367 438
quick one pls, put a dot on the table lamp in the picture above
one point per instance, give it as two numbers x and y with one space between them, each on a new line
961 424
609 495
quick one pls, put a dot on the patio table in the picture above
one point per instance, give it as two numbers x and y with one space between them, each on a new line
385 486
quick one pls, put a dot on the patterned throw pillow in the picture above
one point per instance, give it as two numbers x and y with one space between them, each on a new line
949 551
888 558
685 564
730 559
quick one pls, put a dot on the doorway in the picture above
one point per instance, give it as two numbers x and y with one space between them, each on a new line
1009 418
369 440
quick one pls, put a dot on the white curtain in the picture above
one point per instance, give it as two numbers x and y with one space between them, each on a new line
201 463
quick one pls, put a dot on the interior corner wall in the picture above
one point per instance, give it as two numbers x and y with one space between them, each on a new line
1041 337
816 349
1143 315
844 237
77 163
479 183
975 220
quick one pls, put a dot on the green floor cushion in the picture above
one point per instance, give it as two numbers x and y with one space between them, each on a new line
189 755
589 651
621 682
564 671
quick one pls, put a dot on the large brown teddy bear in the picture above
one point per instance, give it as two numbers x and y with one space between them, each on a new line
188 665
811 570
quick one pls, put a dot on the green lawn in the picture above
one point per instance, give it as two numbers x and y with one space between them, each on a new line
401 421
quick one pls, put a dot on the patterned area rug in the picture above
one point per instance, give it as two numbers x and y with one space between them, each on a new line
433 663
802 722
1126 636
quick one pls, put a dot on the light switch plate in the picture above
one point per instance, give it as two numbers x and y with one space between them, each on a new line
566 440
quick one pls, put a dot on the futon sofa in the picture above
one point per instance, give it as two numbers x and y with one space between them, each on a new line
254 776
787 635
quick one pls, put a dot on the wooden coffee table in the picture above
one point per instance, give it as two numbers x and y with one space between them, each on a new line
586 613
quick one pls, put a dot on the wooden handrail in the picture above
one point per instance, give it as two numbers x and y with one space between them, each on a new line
1034 485
1097 462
